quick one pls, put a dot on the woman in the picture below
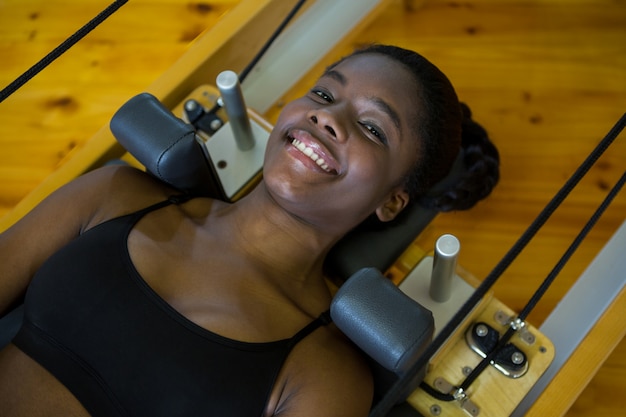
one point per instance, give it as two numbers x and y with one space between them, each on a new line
180 306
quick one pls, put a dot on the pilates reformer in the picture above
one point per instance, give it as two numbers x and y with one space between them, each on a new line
404 269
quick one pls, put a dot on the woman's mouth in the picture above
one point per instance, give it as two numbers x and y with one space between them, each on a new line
312 153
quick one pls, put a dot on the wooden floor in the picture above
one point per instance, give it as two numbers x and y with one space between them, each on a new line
547 78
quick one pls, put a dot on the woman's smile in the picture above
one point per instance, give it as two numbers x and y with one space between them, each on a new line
308 150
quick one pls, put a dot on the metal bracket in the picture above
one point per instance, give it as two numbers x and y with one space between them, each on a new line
510 360
517 324
459 395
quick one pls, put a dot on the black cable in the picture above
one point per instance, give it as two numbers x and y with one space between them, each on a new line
570 251
436 394
548 281
390 398
270 41
59 50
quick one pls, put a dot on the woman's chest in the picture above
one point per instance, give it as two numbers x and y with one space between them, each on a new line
215 285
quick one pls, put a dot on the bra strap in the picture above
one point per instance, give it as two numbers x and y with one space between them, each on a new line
173 199
179 198
324 319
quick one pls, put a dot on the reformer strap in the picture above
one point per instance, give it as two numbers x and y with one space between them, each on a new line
59 50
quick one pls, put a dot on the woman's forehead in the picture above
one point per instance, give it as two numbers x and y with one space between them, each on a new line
374 65
372 71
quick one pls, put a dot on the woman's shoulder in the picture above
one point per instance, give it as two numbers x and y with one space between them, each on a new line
104 193
328 375
336 351
126 180
120 189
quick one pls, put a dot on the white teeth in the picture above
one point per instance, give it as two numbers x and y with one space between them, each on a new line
321 163
311 154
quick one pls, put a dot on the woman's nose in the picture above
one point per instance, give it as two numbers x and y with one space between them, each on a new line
328 121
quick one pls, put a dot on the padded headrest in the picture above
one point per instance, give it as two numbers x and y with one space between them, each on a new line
390 327
165 145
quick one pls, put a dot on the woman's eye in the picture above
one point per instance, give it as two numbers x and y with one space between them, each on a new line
376 132
323 95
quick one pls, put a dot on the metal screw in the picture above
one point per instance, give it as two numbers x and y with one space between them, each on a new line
216 124
191 105
435 410
482 330
517 358
466 370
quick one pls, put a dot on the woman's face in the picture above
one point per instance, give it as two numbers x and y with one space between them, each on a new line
341 152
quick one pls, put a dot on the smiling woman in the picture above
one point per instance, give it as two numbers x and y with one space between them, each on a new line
126 251
354 100
544 77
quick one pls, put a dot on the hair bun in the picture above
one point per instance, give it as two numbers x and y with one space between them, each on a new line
482 169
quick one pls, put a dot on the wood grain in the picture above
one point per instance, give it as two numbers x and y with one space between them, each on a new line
492 383
547 78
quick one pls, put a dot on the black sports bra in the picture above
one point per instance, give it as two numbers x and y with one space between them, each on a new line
94 323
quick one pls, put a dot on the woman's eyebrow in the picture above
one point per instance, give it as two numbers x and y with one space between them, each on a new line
388 110
382 105
337 76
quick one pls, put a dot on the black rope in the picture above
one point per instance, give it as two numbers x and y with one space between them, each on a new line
570 251
547 282
270 41
390 398
435 393
59 50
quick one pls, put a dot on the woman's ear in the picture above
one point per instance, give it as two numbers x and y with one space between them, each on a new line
396 201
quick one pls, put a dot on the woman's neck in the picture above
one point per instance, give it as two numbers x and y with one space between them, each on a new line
285 246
